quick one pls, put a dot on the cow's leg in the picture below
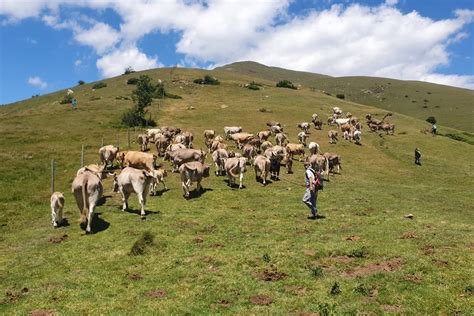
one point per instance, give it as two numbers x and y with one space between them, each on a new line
90 217
60 215
53 216
241 177
164 184
125 196
142 201
199 187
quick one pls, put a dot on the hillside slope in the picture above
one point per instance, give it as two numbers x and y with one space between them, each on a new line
453 107
229 251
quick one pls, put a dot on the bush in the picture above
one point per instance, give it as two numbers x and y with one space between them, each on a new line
431 120
207 80
340 96
358 253
142 96
160 93
132 81
131 118
67 99
335 289
128 70
81 82
286 84
99 85
139 247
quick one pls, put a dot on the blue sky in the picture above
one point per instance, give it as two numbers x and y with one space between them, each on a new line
47 45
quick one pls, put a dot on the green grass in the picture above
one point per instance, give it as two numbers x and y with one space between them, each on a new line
205 255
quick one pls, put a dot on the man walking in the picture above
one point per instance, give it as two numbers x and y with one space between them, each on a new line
417 157
314 182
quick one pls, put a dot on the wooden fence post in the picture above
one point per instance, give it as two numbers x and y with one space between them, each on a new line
128 137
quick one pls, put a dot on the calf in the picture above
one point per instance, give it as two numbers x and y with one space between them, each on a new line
262 167
209 135
57 205
357 137
302 136
235 167
134 180
313 148
332 135
142 140
158 177
304 126
193 172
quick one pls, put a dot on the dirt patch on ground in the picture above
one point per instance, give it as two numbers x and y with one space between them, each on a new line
261 299
57 239
391 308
156 294
296 290
223 304
413 278
351 238
428 250
198 240
309 252
271 274
440 262
13 296
41 312
134 276
409 235
385 266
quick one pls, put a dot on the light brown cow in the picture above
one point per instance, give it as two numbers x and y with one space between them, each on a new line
280 139
180 156
140 160
235 167
209 135
273 123
92 167
319 162
188 139
142 140
217 145
262 168
87 189
107 154
295 149
249 151
134 180
387 128
334 161
313 148
302 136
265 145
57 205
263 135
191 172
304 126
161 143
174 147
332 135
241 138
275 129
346 127
219 157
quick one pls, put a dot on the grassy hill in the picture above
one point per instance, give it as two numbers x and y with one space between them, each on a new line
250 251
451 106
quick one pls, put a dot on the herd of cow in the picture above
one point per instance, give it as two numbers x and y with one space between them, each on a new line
140 174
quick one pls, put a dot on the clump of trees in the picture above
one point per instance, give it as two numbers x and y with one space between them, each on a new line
81 82
431 120
99 85
340 96
207 80
128 70
253 86
160 93
67 99
286 84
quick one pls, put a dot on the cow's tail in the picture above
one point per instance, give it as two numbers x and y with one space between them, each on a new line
327 166
234 175
85 209
61 201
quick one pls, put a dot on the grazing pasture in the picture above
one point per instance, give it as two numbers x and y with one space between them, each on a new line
248 251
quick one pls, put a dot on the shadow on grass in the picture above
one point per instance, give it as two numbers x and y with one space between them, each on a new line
98 224
138 212
234 185
103 199
194 194
159 192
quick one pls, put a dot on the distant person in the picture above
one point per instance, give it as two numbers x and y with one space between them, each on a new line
74 103
417 157
314 183
433 129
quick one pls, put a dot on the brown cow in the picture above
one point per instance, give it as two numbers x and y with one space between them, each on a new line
262 167
235 167
191 172
295 149
140 160
334 161
263 135
108 154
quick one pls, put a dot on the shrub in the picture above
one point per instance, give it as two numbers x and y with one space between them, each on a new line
431 120
253 86
358 253
266 257
286 84
340 96
142 96
160 93
81 82
132 81
207 80
128 70
67 99
99 85
316 271
335 289
139 247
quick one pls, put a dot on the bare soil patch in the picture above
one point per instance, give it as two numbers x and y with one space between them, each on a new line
309 252
385 266
156 293
440 262
409 235
134 276
428 250
57 239
413 278
351 238
224 303
41 312
391 308
198 240
13 296
296 290
271 274
261 299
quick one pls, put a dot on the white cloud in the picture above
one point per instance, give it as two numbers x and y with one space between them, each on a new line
77 62
450 80
351 39
101 37
37 82
114 64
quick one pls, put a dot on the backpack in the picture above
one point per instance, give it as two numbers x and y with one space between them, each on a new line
318 180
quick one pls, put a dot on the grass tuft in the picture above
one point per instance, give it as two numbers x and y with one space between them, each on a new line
144 241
